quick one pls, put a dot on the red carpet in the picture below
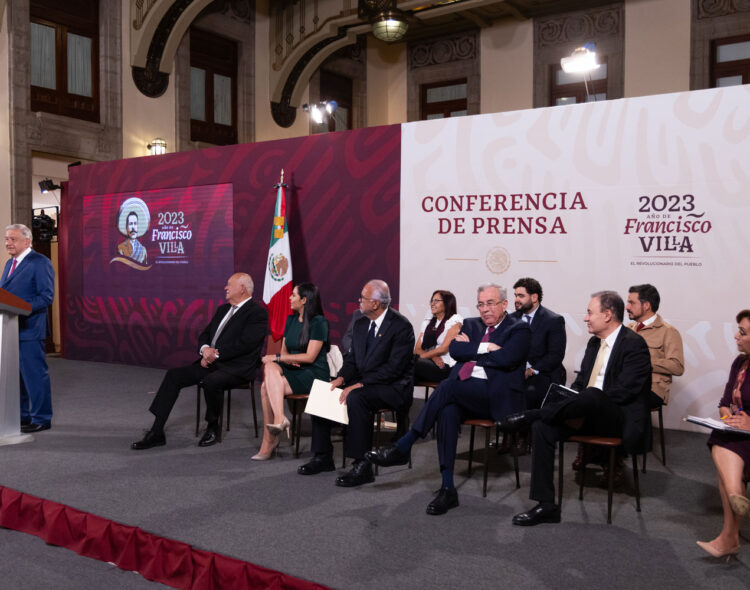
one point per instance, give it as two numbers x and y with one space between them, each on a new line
130 548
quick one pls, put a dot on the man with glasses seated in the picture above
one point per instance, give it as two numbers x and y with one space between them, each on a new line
378 373
486 382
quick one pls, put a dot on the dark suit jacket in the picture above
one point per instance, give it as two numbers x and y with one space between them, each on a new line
389 362
34 282
627 382
241 340
504 367
548 341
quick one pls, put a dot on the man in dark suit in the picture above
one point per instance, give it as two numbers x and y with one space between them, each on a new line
229 350
29 275
378 373
548 340
487 381
614 384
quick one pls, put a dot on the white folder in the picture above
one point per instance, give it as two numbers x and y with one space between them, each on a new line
324 402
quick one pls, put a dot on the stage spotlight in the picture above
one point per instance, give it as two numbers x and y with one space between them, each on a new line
581 61
47 185
321 111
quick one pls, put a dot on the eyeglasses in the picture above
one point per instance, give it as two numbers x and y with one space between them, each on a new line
361 299
484 304
436 300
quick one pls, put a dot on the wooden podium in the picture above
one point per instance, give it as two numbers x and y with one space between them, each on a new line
10 405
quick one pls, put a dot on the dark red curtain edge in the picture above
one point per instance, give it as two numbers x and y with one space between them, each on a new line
156 558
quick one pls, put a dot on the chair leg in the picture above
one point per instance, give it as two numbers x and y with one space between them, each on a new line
561 462
644 462
221 416
611 482
198 409
255 413
297 420
636 484
661 438
378 417
229 407
471 448
514 439
488 432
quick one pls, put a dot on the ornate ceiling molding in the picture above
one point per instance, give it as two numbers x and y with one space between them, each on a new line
441 51
714 8
579 27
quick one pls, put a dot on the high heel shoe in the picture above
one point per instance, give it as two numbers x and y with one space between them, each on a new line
714 552
277 428
266 456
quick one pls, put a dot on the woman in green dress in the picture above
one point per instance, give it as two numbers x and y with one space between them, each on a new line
302 359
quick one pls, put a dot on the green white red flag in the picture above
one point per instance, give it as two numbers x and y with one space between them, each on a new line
278 284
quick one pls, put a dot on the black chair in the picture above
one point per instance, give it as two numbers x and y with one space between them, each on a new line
613 444
250 386
488 425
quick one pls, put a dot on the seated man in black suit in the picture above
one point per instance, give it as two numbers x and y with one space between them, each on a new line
229 350
487 381
548 340
614 381
377 374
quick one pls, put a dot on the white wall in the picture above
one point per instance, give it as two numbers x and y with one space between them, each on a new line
386 82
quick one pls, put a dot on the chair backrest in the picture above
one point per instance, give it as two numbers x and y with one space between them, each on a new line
335 360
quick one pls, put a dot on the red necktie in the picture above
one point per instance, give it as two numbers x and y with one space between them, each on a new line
465 372
640 326
13 266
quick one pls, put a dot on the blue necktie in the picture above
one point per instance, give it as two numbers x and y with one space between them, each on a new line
370 338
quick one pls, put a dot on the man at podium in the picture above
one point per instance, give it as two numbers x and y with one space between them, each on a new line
29 275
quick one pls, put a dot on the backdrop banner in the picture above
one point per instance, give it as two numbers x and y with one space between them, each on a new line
589 197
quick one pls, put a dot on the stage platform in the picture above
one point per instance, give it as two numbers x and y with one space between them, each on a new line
375 536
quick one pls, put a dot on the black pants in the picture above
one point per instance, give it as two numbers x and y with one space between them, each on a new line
536 389
602 417
361 405
452 402
426 370
214 384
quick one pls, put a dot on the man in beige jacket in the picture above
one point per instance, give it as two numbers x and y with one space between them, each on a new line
664 341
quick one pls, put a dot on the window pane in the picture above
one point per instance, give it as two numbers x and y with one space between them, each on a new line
453 92
197 94
43 56
222 100
435 116
733 51
565 100
596 97
341 118
459 113
79 65
729 81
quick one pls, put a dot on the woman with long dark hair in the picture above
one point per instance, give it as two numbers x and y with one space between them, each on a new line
302 360
435 335
731 451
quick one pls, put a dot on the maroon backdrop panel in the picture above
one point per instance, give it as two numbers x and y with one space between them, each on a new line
343 216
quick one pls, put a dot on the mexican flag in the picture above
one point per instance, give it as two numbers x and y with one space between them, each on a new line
278 284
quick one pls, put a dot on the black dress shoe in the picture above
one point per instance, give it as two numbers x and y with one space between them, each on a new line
210 437
359 474
32 427
25 421
149 440
317 464
520 421
387 456
537 515
444 501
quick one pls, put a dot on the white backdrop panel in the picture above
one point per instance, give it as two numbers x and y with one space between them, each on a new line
587 197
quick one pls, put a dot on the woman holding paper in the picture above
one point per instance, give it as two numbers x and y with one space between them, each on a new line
438 331
731 451
302 360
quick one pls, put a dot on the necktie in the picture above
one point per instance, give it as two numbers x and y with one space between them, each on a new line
527 317
640 326
597 364
370 338
13 267
223 323
465 372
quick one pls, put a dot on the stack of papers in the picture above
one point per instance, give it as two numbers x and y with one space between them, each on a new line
714 424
